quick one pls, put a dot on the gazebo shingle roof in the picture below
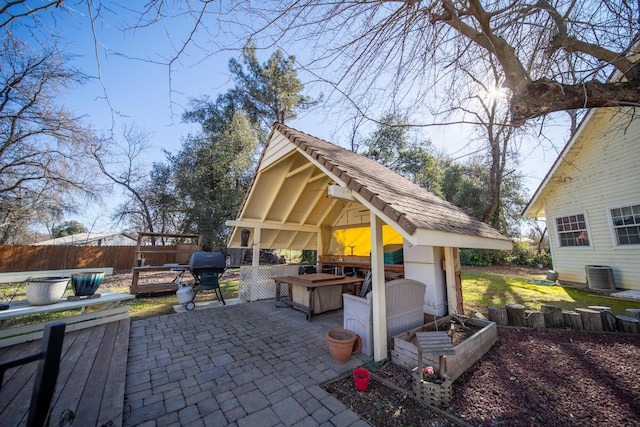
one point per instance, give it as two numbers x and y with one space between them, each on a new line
407 204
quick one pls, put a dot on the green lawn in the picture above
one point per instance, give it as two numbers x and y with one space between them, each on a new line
155 305
142 307
479 291
482 290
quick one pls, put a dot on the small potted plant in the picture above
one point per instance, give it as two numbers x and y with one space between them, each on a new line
429 374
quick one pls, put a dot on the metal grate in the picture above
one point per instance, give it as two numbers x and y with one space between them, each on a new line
600 277
256 284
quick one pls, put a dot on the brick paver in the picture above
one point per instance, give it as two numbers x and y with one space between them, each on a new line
240 365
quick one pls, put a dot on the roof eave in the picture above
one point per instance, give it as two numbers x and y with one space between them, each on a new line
444 239
533 208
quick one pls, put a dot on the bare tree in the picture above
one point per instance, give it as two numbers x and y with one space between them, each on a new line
123 165
490 109
413 46
14 10
42 170
538 233
555 55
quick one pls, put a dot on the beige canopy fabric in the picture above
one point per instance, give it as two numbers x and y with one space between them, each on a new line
304 186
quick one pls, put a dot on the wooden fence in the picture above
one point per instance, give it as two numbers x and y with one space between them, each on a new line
14 258
35 258
121 258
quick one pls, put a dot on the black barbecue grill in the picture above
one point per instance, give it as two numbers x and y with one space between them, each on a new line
206 268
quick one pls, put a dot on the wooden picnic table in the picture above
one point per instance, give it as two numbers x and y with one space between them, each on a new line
311 282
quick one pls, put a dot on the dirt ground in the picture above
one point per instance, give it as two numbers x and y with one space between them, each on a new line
124 279
530 378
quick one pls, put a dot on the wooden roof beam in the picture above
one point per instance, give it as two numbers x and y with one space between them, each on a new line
312 205
326 212
254 223
274 194
300 169
295 197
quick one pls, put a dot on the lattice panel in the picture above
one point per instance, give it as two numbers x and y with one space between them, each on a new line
256 284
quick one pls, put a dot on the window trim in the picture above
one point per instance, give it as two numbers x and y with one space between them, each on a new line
588 228
612 228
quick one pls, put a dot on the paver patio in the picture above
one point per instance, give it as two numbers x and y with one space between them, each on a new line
241 365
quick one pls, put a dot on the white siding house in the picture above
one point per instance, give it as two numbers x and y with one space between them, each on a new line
591 199
92 239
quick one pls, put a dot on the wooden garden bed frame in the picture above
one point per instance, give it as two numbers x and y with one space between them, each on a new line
405 353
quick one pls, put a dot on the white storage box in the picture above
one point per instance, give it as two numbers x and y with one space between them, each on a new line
404 303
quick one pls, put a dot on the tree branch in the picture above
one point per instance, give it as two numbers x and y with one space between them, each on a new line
545 96
515 73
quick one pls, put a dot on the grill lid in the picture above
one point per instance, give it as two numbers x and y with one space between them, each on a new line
210 262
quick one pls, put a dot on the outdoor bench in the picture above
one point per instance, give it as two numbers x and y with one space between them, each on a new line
108 310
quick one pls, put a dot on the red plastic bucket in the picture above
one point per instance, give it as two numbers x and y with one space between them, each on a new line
361 378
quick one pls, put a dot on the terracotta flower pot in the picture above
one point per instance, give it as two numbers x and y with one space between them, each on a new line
357 346
340 344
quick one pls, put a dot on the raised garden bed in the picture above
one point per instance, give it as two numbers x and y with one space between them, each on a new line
483 335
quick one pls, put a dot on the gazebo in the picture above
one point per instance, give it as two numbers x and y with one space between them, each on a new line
309 194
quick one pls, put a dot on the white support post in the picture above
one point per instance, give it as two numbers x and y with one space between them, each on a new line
450 275
255 261
320 248
378 300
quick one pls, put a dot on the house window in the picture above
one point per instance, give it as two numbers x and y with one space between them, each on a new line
626 224
572 230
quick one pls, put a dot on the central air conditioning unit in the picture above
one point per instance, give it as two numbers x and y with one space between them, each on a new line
600 277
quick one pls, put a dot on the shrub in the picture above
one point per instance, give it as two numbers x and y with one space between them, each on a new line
482 257
521 254
543 258
308 257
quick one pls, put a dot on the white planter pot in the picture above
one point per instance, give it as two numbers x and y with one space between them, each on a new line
46 290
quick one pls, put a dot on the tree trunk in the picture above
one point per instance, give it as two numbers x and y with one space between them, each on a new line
627 324
516 315
498 315
572 320
535 319
633 312
591 319
553 317
608 319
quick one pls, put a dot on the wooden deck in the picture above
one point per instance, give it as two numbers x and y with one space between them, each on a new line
90 387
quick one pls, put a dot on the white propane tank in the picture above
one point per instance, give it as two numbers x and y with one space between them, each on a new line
184 293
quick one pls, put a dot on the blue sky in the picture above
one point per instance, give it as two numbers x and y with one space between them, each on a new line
143 93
